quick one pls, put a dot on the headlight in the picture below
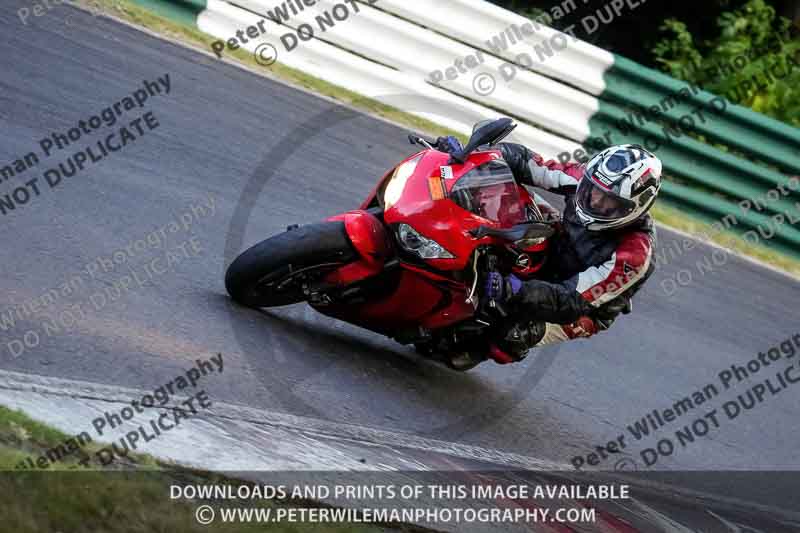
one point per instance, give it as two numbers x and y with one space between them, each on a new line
422 246
394 189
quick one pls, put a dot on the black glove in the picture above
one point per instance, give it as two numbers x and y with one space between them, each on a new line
497 287
557 304
605 315
612 309
550 302
449 145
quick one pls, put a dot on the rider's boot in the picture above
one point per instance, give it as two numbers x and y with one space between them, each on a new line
515 340
464 361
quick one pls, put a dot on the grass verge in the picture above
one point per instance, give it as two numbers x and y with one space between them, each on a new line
668 216
129 497
674 218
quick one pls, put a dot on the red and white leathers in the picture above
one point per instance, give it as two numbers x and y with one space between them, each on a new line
585 270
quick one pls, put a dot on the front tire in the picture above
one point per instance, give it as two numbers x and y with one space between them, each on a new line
276 271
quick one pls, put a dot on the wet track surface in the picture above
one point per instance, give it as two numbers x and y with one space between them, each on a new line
215 127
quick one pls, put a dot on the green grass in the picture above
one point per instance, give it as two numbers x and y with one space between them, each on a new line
22 437
129 12
129 497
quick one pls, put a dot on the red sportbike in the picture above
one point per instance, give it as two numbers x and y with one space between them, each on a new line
410 262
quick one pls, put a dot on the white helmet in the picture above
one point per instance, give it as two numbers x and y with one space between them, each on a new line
618 187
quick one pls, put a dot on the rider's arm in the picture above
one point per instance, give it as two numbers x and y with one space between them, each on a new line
530 168
584 293
557 303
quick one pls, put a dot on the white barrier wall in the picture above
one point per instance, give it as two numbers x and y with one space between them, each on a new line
397 43
401 89
475 21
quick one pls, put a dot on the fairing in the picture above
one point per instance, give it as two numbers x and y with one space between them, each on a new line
442 202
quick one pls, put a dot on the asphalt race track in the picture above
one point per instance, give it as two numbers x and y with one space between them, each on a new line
215 128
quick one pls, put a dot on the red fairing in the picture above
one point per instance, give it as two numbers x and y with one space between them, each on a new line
370 239
418 291
443 220
417 300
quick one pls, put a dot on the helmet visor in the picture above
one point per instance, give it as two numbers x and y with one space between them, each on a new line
601 203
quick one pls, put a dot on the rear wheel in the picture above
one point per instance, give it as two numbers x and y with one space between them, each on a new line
279 270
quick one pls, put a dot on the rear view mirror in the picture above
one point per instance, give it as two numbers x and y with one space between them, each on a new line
486 132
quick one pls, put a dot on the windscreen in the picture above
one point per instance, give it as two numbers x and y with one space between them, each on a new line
490 191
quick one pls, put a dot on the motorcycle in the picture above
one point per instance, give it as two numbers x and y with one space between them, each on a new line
410 262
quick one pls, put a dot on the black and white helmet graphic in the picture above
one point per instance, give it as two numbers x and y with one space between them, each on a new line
618 187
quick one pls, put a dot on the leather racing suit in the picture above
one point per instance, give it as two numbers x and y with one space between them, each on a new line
585 270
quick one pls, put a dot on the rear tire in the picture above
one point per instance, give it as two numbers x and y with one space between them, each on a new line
272 272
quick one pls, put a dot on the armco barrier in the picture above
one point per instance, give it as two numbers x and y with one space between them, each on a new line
181 11
598 72
619 83
222 20
713 210
474 22
416 50
749 132
381 83
578 92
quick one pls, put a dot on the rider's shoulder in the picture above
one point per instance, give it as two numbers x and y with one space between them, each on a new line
635 246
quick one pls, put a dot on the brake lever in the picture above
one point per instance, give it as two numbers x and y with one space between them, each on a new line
416 139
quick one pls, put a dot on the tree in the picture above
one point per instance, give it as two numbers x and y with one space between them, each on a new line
634 33
754 60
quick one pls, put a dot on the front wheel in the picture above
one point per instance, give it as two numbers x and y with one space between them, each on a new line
279 270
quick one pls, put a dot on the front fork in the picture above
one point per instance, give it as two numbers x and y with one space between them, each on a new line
475 336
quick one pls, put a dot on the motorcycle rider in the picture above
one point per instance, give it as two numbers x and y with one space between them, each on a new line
600 256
